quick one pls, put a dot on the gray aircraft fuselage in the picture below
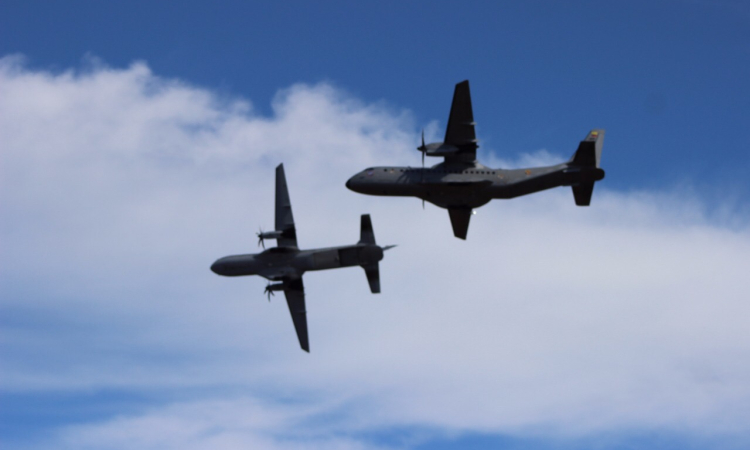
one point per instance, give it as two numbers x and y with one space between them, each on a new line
286 263
276 263
468 185
460 183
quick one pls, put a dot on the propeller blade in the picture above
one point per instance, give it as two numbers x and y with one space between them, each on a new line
268 291
388 247
260 238
424 149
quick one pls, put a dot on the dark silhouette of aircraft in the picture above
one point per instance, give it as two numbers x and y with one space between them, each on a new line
286 263
461 183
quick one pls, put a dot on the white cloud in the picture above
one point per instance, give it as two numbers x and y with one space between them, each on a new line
239 423
119 188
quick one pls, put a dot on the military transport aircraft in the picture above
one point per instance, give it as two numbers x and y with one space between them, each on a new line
461 183
286 263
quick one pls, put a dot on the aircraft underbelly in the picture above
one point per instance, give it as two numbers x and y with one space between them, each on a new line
400 189
345 256
348 257
525 186
326 259
469 195
238 270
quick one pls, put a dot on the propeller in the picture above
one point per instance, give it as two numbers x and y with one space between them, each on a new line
260 238
388 247
269 291
422 148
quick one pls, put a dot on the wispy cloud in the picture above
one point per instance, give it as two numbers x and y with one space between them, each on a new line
119 188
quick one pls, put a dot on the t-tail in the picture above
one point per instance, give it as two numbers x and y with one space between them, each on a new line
585 165
371 253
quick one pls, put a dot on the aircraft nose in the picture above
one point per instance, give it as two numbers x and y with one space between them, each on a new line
352 184
216 267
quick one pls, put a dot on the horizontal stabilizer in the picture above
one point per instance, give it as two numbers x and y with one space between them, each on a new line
366 234
586 163
582 193
373 277
589 153
460 221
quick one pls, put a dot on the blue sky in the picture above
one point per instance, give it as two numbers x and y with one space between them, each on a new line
667 77
139 142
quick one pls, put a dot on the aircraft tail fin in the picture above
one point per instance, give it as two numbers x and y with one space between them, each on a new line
373 276
589 153
588 161
582 193
460 221
366 234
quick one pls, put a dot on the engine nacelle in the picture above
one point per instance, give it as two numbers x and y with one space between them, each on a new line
438 149
288 233
270 234
275 287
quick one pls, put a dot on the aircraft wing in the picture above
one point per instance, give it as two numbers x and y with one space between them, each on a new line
294 291
284 219
460 131
460 221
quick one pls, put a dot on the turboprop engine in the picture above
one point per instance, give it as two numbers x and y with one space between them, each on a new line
273 287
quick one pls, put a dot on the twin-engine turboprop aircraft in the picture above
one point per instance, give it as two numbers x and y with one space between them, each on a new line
461 183
286 263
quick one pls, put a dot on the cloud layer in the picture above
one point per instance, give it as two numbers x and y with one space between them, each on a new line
119 188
